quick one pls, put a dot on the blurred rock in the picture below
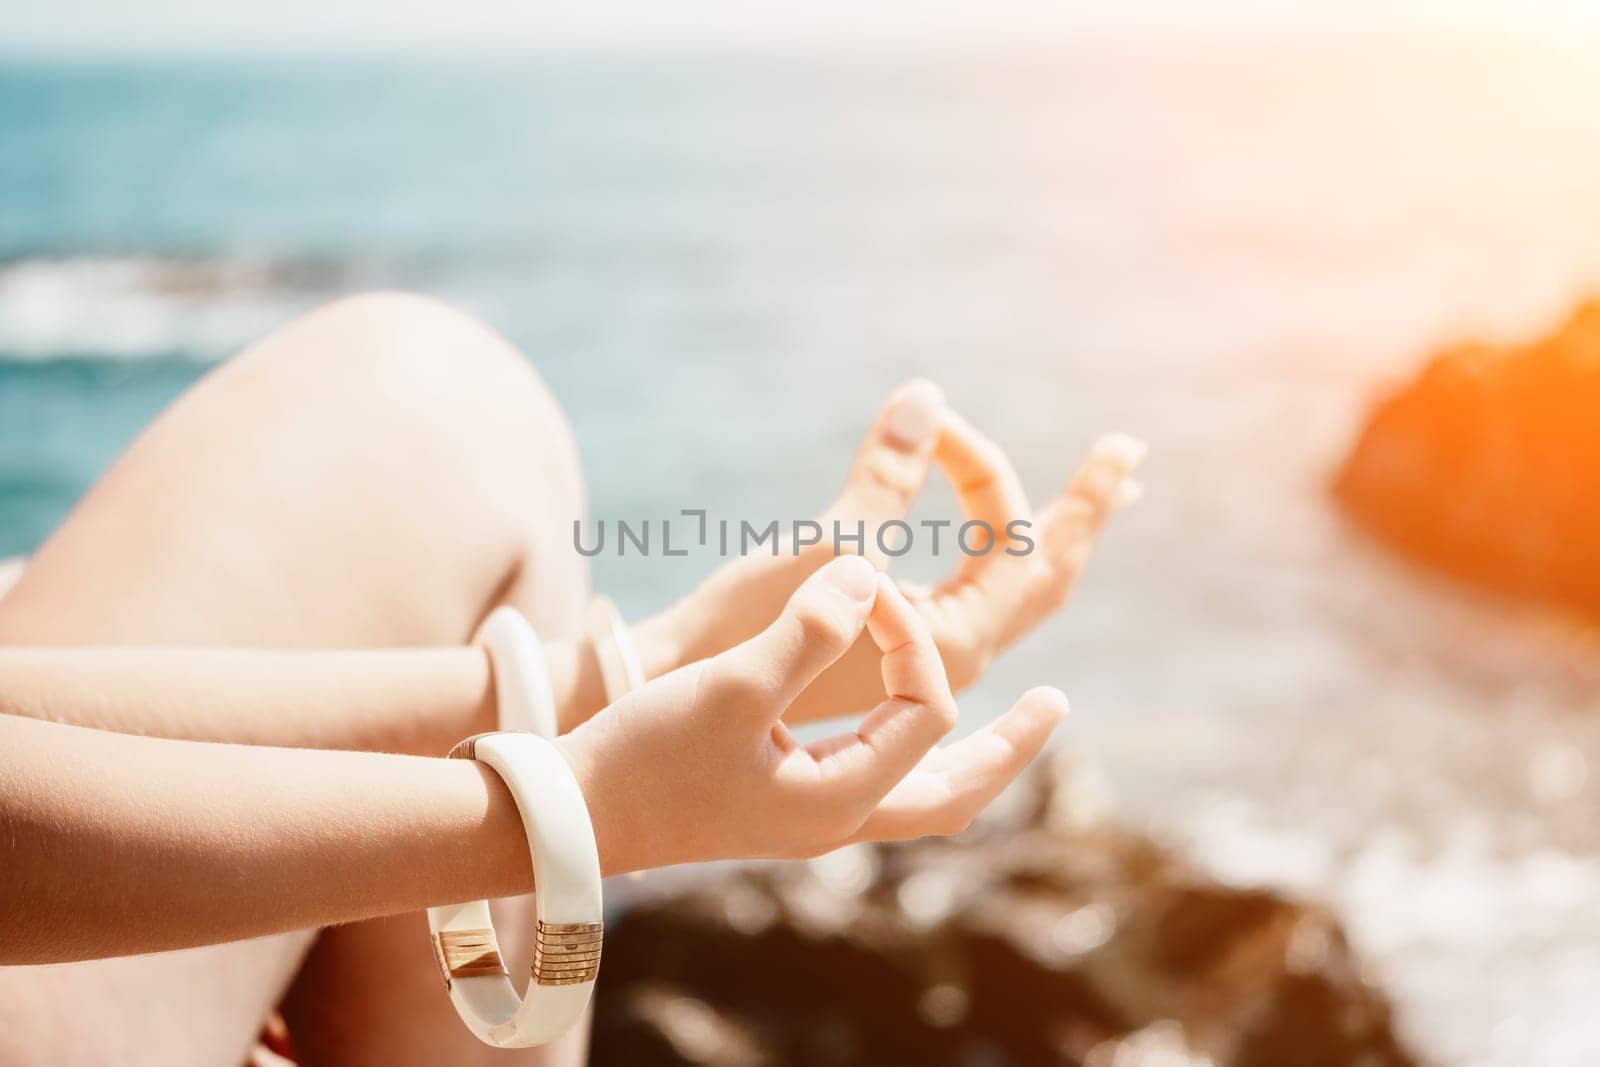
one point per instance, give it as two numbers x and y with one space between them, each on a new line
1084 943
1487 466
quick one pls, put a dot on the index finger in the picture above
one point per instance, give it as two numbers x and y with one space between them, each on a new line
1072 521
820 622
919 710
986 484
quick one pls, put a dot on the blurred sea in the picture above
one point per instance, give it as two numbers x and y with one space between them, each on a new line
722 262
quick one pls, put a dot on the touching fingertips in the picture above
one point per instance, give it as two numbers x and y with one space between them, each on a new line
1129 492
914 413
893 620
853 576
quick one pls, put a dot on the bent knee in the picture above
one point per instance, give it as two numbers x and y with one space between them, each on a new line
425 374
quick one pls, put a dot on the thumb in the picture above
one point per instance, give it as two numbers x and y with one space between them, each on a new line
893 461
818 625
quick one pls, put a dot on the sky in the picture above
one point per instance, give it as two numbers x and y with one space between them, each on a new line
142 25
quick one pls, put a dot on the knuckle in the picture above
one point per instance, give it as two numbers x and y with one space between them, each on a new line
740 686
888 477
820 627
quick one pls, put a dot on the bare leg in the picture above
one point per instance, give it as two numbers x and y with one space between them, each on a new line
381 472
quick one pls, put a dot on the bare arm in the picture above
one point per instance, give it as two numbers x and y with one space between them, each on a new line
112 844
419 701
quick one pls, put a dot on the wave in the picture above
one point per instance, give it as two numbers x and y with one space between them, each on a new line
131 307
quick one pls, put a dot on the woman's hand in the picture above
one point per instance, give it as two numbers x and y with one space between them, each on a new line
986 605
698 765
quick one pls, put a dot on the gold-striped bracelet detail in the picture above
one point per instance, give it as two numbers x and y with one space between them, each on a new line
469 954
567 953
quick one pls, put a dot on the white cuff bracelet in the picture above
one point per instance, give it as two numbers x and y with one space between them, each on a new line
621 670
521 676
566 866
567 903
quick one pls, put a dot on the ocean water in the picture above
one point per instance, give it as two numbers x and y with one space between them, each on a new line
722 262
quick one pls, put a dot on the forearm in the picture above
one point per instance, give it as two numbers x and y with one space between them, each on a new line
112 844
419 701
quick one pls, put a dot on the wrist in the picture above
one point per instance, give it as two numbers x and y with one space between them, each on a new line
486 836
578 679
609 830
575 681
575 673
568 903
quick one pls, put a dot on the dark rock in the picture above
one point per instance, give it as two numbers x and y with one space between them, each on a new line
1029 941
1487 466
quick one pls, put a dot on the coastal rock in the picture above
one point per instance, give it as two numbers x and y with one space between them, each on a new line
1487 466
1032 939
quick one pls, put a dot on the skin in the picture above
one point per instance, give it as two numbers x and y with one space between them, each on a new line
416 701
371 522
987 605
122 844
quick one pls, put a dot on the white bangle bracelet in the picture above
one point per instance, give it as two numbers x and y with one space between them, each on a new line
621 670
567 904
566 865
523 698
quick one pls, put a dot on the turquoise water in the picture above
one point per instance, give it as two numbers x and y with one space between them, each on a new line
723 262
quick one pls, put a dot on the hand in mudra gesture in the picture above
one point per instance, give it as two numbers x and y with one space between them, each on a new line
698 764
988 603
